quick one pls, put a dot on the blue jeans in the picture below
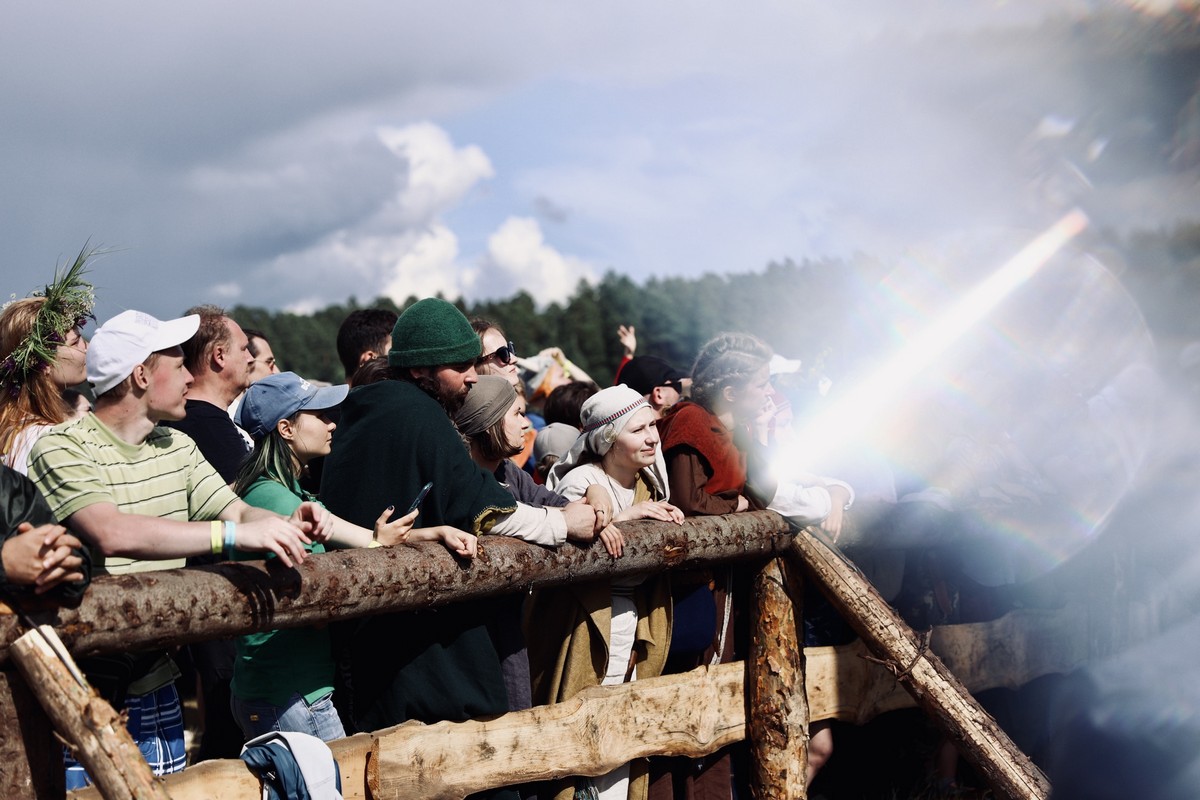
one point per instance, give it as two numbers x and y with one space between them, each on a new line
320 718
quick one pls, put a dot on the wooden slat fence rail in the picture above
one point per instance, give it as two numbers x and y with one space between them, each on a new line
159 609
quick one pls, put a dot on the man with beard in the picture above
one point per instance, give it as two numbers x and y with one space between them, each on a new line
394 437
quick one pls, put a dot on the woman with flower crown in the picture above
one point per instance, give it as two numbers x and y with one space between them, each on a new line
41 352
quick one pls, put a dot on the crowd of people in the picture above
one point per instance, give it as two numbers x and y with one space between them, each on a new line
196 448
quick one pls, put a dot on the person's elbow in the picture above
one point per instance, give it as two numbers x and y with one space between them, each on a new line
106 535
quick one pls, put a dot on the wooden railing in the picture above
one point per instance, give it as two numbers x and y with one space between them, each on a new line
173 607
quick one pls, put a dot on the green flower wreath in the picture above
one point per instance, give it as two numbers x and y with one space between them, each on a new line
69 304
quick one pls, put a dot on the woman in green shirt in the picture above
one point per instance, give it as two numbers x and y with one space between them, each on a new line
283 679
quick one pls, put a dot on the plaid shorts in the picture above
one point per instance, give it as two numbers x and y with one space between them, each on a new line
156 725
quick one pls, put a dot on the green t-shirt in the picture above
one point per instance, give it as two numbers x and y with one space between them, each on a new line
273 665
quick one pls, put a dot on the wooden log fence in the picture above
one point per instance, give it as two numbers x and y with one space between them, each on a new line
159 609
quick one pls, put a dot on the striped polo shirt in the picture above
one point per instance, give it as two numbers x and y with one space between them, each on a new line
78 464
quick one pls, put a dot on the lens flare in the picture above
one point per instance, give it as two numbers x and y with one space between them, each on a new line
1019 409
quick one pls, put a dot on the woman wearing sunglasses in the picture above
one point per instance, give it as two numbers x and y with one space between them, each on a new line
498 357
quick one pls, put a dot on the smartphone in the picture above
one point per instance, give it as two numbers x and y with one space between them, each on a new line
420 497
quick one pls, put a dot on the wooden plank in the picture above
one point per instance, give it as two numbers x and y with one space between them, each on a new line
591 734
841 684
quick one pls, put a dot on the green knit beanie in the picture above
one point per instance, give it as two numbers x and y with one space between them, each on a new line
430 333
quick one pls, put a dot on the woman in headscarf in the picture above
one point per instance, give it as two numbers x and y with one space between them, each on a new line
42 352
607 632
706 441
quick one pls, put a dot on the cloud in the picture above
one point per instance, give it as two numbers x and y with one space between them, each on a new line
519 253
306 154
394 243
439 174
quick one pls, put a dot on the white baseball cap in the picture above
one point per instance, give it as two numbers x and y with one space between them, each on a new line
127 340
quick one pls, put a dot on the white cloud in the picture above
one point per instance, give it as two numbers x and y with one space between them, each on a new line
440 175
428 265
518 251
228 291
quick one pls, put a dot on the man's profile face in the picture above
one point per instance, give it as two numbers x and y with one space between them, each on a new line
263 363
167 382
453 382
240 358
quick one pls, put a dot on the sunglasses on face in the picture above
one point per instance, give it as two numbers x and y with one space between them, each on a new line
503 355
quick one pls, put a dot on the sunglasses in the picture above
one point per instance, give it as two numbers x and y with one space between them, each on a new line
504 355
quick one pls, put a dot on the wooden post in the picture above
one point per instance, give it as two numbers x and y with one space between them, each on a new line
102 743
31 762
776 705
936 690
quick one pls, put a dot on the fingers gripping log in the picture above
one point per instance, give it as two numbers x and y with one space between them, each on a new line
89 724
935 689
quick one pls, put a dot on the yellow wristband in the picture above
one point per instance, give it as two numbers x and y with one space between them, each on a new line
375 544
215 532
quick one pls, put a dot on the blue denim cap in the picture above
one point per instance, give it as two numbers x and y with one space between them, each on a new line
279 396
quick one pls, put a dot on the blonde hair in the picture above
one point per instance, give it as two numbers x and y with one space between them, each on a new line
37 400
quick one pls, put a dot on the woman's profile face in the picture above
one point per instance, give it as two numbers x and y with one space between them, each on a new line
637 444
70 364
750 399
312 435
492 361
516 424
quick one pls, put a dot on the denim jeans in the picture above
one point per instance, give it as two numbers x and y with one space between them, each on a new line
319 718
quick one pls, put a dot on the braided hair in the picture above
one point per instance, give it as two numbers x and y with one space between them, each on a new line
728 359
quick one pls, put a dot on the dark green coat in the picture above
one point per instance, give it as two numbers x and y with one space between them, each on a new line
432 665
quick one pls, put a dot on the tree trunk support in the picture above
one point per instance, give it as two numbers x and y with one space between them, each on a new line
935 689
95 731
31 762
776 706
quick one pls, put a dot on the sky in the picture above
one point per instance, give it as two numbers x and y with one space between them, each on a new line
294 154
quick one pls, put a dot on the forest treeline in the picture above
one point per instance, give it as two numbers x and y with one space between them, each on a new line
820 311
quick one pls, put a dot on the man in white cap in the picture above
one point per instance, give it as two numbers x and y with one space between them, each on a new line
143 498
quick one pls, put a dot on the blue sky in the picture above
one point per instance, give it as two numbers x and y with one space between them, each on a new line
291 155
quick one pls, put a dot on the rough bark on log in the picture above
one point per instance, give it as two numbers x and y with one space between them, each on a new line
31 762
777 710
936 690
835 679
95 730
844 684
591 734
158 609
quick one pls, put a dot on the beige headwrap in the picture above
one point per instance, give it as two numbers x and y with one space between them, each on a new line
487 403
604 415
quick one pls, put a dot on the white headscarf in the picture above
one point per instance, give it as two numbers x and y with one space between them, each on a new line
604 415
